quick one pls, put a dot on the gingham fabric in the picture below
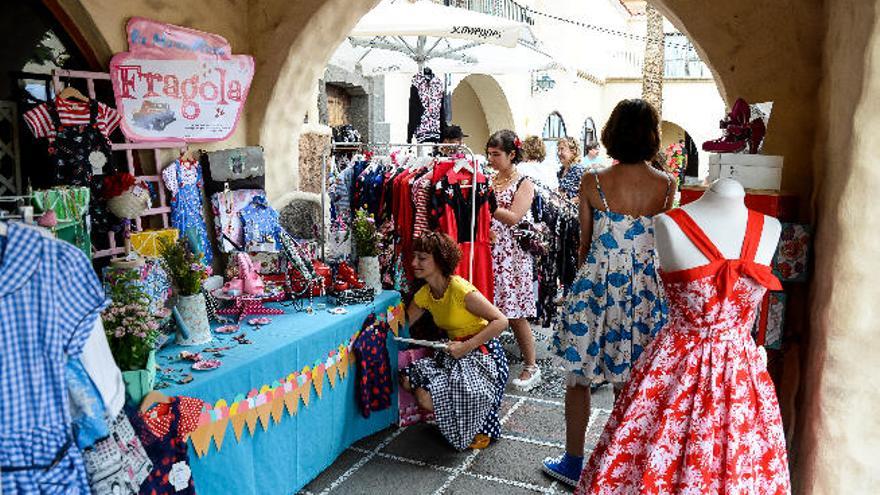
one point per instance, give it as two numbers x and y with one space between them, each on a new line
492 423
49 299
465 392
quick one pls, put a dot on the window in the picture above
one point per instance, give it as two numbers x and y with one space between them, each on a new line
554 128
588 134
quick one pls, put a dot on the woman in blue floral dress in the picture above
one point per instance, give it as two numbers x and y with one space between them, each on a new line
615 305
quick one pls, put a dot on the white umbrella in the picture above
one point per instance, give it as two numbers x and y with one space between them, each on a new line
404 37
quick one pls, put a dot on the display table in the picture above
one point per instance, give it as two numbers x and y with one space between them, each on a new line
268 391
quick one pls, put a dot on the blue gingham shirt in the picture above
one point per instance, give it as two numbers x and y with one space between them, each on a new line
49 299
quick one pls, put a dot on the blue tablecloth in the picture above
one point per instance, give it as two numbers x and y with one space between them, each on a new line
291 453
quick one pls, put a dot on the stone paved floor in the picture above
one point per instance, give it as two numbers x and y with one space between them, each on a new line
417 460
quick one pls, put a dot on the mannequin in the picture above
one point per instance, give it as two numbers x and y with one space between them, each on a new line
722 214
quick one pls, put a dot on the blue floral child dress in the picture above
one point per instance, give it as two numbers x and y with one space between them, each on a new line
616 305
184 179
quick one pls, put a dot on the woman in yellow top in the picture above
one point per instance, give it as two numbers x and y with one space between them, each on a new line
463 385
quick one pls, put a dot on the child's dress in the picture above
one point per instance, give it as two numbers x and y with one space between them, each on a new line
184 179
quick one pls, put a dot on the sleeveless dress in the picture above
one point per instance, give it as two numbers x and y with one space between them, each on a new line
700 414
512 265
184 180
615 306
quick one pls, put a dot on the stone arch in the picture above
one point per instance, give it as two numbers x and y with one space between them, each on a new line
493 100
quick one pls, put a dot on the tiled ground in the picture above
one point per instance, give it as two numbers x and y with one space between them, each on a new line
417 460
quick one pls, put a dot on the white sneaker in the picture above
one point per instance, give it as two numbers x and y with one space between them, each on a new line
531 382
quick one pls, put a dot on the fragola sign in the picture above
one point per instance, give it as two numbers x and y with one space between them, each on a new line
177 83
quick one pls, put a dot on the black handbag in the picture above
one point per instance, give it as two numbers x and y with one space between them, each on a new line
533 237
240 168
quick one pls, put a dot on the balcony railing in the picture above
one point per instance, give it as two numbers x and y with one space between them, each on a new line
501 8
679 63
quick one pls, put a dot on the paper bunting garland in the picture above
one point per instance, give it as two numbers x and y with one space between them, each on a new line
270 401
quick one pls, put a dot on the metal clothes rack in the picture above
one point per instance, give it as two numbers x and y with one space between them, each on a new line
360 146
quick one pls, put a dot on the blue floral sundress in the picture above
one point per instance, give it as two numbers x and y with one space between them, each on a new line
616 304
187 216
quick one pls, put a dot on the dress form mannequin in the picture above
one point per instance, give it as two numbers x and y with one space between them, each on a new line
722 214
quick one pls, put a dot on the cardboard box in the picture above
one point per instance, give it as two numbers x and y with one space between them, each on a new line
752 171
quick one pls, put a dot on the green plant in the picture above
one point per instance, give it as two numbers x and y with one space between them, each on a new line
364 232
185 269
130 327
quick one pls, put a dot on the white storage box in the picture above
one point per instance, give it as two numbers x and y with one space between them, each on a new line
752 171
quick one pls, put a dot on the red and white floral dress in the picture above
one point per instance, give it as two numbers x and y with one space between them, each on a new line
699 414
514 294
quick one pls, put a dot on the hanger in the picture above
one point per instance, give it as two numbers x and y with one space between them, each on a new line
71 93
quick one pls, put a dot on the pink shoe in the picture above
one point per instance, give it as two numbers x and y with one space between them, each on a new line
253 284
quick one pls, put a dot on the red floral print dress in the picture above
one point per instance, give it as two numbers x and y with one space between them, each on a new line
700 414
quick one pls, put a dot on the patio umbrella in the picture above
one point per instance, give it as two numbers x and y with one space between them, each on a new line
405 37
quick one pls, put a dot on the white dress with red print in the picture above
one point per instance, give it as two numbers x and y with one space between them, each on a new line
700 414
512 265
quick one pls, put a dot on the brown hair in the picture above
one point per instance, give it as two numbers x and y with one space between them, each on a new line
632 133
534 149
443 248
506 141
573 146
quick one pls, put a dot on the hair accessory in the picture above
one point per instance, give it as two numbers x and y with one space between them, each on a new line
517 143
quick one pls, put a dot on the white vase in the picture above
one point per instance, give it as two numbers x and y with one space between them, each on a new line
368 269
194 316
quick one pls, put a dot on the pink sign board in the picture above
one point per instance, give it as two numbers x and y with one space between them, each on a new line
177 83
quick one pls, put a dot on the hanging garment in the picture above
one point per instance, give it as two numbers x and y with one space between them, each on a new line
86 406
700 396
260 225
118 464
71 207
42 125
184 179
368 191
570 181
339 192
616 306
50 298
80 156
227 219
425 108
163 431
452 200
102 369
373 385
514 294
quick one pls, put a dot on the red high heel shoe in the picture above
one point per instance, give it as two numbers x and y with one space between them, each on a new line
345 273
736 130
756 135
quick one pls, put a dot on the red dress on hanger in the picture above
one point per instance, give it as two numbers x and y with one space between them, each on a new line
699 414
453 203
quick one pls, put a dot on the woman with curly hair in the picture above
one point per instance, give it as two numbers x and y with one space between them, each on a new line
463 385
569 153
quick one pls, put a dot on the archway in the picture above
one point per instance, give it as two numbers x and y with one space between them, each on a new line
671 133
480 107
758 50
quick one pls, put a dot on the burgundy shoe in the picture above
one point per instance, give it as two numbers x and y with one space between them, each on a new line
756 135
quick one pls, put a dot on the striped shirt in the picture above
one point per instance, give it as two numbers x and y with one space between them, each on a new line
39 119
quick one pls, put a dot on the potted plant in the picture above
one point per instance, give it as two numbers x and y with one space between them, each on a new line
187 273
132 331
366 244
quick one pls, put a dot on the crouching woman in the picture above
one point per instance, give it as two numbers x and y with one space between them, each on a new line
463 384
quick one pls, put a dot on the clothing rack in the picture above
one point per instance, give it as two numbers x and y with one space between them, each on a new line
333 145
